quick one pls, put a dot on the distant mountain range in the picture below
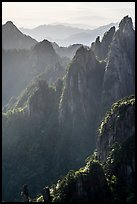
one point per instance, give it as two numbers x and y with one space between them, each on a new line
66 35
13 38
23 58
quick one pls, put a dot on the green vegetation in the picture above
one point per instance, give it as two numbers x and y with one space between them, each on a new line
119 160
112 172
115 185
37 124
80 185
32 125
84 184
118 108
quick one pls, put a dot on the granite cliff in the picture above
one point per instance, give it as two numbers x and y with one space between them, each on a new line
119 76
109 173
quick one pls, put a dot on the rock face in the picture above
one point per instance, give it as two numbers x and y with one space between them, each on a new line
101 49
109 174
116 148
89 90
88 185
96 46
80 101
118 126
119 77
12 38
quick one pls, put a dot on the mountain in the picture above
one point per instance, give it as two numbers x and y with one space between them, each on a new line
23 65
69 51
35 112
117 126
101 49
31 59
119 77
89 80
51 32
13 38
109 173
43 56
78 25
52 129
79 104
66 35
85 37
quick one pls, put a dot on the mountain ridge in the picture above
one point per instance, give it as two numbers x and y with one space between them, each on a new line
68 37
13 38
24 65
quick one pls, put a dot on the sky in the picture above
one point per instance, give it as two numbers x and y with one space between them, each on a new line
85 14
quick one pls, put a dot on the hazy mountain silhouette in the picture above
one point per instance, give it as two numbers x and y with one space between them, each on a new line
13 38
21 66
66 35
49 130
51 32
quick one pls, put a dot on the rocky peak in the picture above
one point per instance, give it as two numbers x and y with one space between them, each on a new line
13 38
84 57
119 77
44 46
126 24
9 26
107 38
101 48
9 23
55 45
79 102
106 42
82 50
44 58
110 32
97 39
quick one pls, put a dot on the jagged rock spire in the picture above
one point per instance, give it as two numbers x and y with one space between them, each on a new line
126 24
119 77
101 48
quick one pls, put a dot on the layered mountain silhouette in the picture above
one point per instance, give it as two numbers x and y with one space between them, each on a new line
23 58
23 65
51 32
13 38
66 35
52 129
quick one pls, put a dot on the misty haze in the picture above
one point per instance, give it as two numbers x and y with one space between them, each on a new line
68 101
